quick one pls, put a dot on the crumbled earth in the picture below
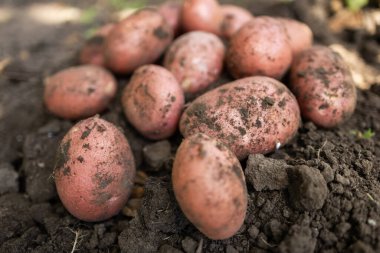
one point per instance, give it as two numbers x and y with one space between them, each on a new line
325 196
266 173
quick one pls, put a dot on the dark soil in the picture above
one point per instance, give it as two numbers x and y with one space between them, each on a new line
322 195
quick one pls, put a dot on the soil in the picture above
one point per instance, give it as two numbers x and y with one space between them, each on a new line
322 195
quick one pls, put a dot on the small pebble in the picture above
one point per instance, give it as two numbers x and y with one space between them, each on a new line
134 203
253 232
231 249
129 212
156 154
137 192
8 179
141 177
189 245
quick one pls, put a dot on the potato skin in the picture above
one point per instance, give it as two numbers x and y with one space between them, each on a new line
300 35
234 17
250 115
95 170
324 87
201 15
209 186
153 102
171 11
92 51
196 60
137 40
79 92
260 47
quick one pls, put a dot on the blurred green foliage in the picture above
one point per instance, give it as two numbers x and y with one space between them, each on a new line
89 15
368 134
128 4
356 5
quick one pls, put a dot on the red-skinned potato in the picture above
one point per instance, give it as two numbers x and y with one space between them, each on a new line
92 51
260 47
153 102
234 17
251 115
171 11
137 40
79 92
323 85
300 35
94 170
201 15
209 186
196 60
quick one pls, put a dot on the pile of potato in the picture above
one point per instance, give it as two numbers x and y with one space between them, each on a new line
256 113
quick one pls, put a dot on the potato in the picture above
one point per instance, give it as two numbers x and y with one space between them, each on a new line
171 11
196 60
79 92
260 47
137 40
92 51
201 15
323 85
234 17
95 170
209 186
300 35
153 102
251 115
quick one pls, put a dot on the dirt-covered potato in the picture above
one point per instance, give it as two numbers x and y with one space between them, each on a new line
92 51
260 47
234 17
250 115
153 102
300 35
94 170
196 60
209 186
171 11
201 15
79 92
137 40
323 85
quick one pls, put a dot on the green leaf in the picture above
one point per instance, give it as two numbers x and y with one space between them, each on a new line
356 5
89 33
363 135
368 134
